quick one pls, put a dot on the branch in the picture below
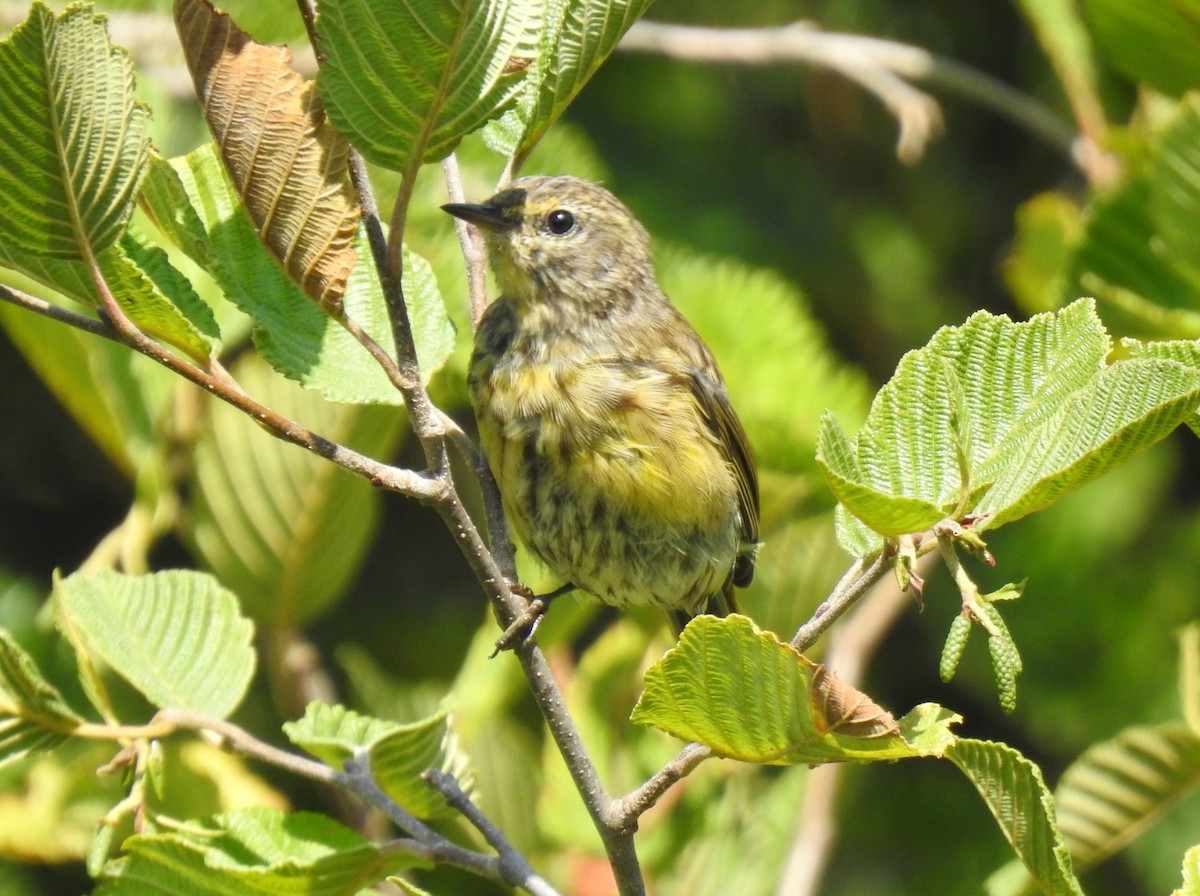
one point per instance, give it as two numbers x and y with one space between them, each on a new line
514 869
120 329
880 67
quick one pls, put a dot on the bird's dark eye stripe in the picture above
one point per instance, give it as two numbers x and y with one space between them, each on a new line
560 221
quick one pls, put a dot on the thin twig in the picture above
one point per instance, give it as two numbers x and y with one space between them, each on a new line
861 576
407 482
876 65
514 869
470 240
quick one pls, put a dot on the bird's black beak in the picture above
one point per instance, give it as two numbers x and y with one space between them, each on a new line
488 215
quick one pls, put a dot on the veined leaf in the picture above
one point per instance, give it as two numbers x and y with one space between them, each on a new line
285 529
176 636
1030 410
405 80
192 201
72 139
1118 788
1014 791
397 753
254 851
287 162
748 696
33 714
1191 874
576 36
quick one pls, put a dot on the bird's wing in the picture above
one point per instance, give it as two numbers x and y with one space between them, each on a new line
713 402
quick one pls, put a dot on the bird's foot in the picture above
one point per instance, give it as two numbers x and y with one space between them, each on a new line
522 629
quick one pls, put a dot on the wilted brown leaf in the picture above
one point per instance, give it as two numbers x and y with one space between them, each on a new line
847 710
287 162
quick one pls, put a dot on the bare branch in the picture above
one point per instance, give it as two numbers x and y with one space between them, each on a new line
881 67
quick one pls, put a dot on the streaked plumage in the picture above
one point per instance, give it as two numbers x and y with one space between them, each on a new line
603 416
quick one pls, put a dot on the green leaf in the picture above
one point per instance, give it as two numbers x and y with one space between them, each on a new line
1014 791
176 636
72 139
285 528
405 80
34 717
1049 226
1030 410
255 852
748 696
1191 874
1158 43
1118 788
575 37
1185 352
156 296
192 201
397 753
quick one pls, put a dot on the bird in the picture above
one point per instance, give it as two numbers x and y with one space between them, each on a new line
602 414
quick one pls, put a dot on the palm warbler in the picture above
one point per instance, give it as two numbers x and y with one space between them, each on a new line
603 417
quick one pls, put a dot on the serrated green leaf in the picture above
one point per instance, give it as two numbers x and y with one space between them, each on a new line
72 139
1029 411
1123 411
1158 43
575 38
192 201
397 753
255 852
1185 352
176 636
284 528
748 696
405 81
1118 788
34 717
1015 793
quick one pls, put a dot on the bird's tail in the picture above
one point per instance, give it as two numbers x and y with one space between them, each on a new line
722 603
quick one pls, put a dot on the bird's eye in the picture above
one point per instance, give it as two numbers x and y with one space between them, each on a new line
560 221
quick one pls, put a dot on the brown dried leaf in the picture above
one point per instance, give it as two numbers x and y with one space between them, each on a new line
287 162
846 710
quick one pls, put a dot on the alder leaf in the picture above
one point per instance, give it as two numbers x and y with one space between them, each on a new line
286 161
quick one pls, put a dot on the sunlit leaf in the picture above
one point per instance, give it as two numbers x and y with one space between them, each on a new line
286 161
575 37
177 636
1015 793
1031 410
193 202
748 696
254 851
72 139
405 80
397 753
